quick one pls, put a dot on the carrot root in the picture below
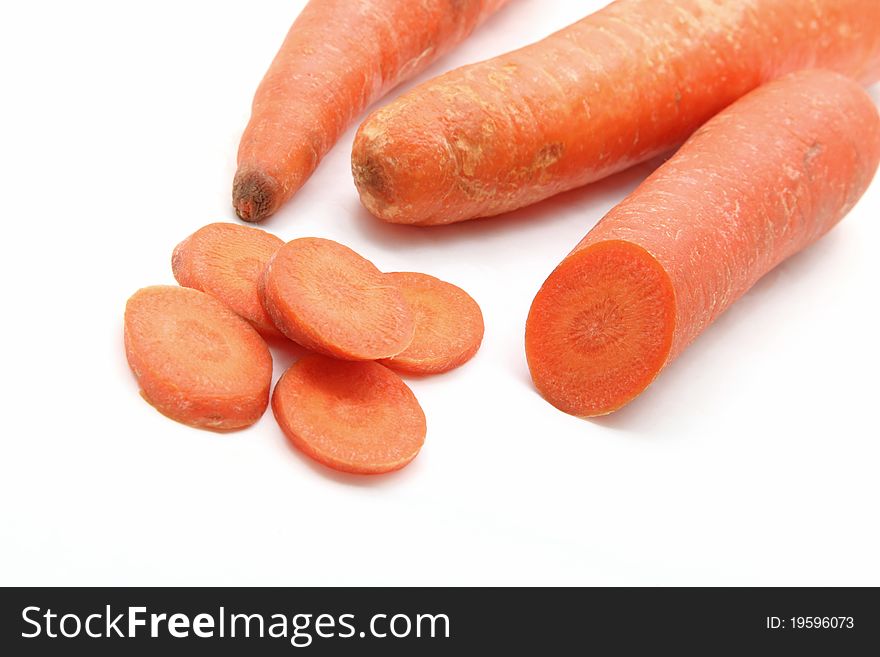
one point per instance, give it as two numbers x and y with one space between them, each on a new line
618 87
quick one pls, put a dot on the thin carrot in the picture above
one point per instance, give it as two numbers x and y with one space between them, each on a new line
618 87
356 417
196 361
328 298
227 261
448 325
759 182
339 57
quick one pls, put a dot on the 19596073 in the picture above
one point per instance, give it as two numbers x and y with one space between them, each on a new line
810 623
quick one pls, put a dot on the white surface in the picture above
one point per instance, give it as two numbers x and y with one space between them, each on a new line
752 460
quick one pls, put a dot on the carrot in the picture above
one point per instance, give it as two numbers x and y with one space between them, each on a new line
356 417
618 87
227 261
759 182
329 299
448 325
339 56
195 360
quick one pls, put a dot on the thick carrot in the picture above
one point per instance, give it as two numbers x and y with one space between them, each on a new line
196 361
339 56
227 261
449 325
354 417
756 184
328 298
616 88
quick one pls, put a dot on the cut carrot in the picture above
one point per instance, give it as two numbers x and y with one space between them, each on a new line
196 361
759 182
227 261
328 298
339 56
616 88
449 325
353 417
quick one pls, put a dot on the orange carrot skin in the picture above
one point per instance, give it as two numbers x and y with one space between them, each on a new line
756 184
338 57
616 88
227 261
195 360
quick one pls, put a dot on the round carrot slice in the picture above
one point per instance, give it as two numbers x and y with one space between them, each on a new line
327 298
449 325
227 261
196 361
357 417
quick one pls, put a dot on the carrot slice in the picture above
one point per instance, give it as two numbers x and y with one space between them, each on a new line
196 361
760 181
449 325
328 298
227 261
357 417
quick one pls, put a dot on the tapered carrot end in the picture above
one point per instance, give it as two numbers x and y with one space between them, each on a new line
396 176
372 184
600 329
255 195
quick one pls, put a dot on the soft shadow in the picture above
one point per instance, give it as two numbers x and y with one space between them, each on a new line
284 353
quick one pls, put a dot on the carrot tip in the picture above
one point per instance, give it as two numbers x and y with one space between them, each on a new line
600 329
372 183
255 195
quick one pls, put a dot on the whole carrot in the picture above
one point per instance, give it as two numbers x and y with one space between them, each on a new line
757 183
618 87
339 56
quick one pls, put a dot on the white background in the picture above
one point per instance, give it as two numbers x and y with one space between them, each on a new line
753 459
